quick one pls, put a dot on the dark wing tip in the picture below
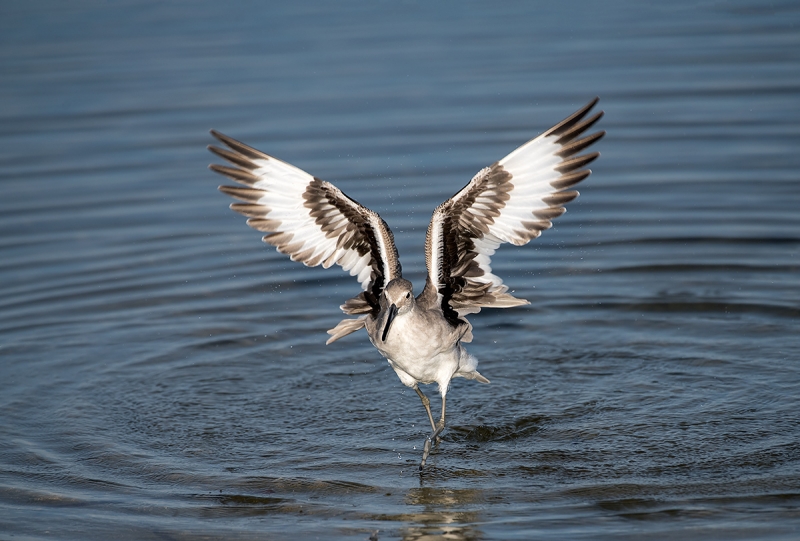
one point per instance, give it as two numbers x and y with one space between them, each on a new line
577 162
242 176
573 147
567 180
238 146
249 195
573 119
218 136
568 134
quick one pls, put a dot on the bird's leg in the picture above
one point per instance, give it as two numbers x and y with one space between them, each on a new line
437 430
440 424
427 403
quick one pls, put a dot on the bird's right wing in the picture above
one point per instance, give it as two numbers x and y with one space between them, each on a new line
310 220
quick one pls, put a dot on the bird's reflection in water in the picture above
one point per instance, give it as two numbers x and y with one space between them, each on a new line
445 514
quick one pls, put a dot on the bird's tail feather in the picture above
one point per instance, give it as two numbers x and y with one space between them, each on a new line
345 327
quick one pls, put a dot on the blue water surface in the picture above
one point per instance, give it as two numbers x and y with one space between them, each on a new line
164 375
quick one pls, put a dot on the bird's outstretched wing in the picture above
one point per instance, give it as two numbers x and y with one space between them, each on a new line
310 220
512 200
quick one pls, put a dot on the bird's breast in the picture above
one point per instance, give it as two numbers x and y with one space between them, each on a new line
417 342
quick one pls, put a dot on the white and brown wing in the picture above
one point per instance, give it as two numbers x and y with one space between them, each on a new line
512 201
310 220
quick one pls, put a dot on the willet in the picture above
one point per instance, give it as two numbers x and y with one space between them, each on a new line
314 222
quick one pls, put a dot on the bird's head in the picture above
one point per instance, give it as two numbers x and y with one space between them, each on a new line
399 299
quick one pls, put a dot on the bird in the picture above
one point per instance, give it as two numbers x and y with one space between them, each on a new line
510 201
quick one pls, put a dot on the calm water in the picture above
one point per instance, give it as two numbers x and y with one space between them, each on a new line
163 374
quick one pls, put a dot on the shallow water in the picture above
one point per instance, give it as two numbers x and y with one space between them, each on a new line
163 374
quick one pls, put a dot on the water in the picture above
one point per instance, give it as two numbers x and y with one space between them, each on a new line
163 375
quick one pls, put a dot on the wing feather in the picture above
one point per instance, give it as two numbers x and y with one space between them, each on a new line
310 220
511 201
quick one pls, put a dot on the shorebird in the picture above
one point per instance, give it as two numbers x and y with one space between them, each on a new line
511 201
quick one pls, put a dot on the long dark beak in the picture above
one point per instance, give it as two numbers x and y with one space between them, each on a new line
389 319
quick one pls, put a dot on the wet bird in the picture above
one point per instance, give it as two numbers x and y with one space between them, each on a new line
511 201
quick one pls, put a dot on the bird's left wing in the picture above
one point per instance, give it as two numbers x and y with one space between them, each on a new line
513 201
310 220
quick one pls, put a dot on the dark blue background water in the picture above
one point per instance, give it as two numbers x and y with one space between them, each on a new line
163 375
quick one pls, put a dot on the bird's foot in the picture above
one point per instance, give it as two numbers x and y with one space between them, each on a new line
425 452
434 438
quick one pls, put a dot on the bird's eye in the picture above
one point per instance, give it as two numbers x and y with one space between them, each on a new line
408 295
